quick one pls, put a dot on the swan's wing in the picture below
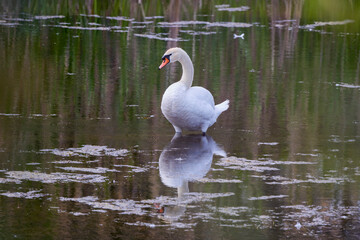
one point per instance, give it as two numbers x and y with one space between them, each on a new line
200 103
201 94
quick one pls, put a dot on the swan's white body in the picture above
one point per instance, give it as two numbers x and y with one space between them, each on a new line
185 107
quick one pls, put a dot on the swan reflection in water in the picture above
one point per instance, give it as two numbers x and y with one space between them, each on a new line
185 159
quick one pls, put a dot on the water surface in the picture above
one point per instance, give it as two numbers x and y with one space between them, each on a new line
85 152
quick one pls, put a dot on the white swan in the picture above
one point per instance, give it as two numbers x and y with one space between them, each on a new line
185 107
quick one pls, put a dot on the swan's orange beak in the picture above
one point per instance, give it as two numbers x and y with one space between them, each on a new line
164 63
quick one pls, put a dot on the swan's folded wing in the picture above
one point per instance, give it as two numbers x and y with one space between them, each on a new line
201 94
200 103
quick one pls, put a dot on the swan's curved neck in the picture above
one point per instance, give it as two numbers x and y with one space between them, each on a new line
188 70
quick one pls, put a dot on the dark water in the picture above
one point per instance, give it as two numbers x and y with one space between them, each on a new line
85 152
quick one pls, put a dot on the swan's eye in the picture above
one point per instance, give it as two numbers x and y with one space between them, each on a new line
166 60
166 57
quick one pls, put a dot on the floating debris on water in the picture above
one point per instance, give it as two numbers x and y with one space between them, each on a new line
126 206
207 24
90 15
133 168
182 23
39 115
267 197
48 17
331 23
94 24
188 198
144 116
268 143
90 170
120 18
336 139
288 181
88 150
194 33
222 6
317 216
7 24
10 114
346 85
219 180
67 162
18 19
307 154
255 165
233 9
154 17
78 213
232 211
157 37
84 28
150 225
26 195
239 36
230 24
55 177
8 180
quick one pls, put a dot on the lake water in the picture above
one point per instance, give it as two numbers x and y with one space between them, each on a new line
85 152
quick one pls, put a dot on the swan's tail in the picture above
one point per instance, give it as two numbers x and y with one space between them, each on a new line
221 107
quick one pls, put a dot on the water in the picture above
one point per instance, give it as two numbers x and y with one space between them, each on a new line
85 152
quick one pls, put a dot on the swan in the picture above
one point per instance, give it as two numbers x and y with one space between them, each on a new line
185 107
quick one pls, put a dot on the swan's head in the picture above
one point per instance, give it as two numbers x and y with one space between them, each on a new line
170 56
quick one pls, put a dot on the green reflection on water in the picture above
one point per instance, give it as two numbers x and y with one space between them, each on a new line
294 87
